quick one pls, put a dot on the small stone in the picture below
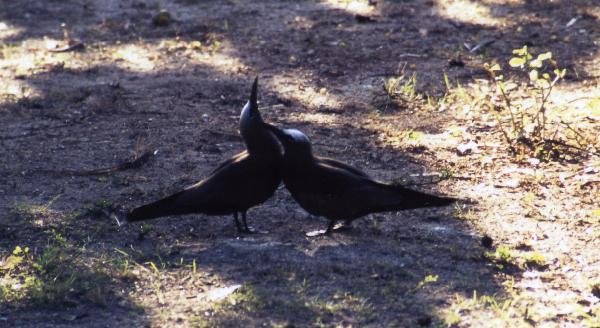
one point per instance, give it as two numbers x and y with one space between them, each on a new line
466 148
487 241
596 290
163 18
424 321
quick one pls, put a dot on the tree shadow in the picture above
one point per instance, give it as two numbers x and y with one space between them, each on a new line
374 274
405 276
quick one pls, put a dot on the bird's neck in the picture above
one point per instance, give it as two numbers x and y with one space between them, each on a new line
261 142
299 158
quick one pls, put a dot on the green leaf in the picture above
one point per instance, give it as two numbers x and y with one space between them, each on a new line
546 76
560 72
533 75
516 62
521 52
535 63
544 56
594 104
11 262
495 67
594 107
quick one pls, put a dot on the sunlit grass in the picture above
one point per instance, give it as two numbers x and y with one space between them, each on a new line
48 277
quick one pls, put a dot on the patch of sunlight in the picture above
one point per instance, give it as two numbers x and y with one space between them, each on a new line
134 57
578 103
13 90
318 118
7 30
221 62
467 11
296 87
218 55
30 56
403 138
21 62
361 7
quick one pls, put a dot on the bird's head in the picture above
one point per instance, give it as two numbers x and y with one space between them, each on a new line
250 116
294 141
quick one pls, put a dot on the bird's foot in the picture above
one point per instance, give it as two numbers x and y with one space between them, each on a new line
331 228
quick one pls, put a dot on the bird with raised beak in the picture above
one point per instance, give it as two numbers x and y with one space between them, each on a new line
337 191
243 181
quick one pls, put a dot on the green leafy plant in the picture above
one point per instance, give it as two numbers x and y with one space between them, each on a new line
528 131
401 87
431 278
47 277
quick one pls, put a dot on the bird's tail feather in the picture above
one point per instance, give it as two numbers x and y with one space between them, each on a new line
411 199
160 208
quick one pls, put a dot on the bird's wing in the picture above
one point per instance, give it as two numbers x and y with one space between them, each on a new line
234 158
332 191
244 180
337 164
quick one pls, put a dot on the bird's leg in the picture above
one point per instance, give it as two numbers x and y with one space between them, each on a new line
330 227
246 229
347 225
237 222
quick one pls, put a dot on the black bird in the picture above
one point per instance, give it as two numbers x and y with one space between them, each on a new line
243 181
337 191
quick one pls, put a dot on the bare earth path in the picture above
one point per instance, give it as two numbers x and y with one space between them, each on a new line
177 85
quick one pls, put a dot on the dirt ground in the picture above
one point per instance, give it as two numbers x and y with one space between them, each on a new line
143 82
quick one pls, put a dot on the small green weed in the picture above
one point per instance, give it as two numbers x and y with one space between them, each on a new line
47 278
505 256
498 305
427 280
402 87
525 125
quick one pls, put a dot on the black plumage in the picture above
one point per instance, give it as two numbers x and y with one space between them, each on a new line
243 181
337 191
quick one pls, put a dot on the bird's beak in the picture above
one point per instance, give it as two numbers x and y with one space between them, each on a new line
254 99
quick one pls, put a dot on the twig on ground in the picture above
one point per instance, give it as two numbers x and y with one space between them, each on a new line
70 46
563 144
127 165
